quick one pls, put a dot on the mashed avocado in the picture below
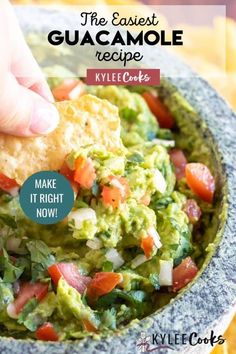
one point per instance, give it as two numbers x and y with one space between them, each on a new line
104 265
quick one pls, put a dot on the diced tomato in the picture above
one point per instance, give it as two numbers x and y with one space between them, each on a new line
6 183
88 326
68 89
184 273
200 181
146 199
103 283
69 174
84 173
147 245
71 275
28 291
75 187
55 272
193 211
47 332
116 192
160 111
179 161
111 196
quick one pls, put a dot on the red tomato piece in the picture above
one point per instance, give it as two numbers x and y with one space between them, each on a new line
116 192
71 275
28 291
68 89
184 273
179 161
192 210
200 181
47 332
6 183
75 188
69 174
84 173
111 196
147 245
160 111
103 283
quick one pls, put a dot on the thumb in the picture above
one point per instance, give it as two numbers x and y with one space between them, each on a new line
23 112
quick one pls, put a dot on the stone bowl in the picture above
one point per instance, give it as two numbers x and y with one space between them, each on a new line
206 304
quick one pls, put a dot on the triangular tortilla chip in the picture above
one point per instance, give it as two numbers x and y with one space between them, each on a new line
85 121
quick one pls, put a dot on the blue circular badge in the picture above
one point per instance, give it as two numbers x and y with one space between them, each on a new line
46 197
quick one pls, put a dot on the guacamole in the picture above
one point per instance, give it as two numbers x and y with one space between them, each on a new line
131 241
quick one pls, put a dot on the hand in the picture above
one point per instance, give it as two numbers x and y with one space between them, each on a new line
26 103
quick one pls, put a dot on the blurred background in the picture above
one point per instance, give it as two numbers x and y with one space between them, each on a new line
203 61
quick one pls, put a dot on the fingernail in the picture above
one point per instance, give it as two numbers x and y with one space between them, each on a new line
44 119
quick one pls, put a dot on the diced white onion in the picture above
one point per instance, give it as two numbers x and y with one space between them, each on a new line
155 235
166 270
13 244
138 260
163 142
11 311
159 181
13 191
94 244
153 93
76 92
114 256
80 215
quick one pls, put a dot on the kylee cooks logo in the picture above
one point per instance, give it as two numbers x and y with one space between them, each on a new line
158 341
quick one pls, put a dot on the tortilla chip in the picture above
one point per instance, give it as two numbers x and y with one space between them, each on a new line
85 121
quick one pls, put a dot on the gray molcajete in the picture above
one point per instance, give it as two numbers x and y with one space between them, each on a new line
208 302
